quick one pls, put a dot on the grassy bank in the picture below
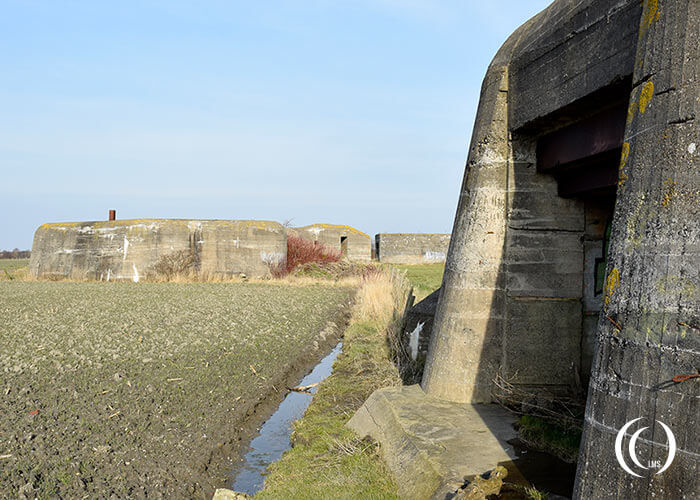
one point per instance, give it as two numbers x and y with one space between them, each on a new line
328 460
425 278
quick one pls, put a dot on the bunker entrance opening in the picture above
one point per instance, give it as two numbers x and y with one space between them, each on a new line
344 246
584 159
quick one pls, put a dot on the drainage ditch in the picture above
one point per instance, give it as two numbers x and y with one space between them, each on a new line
273 439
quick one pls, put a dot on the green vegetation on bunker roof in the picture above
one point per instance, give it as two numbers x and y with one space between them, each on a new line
140 389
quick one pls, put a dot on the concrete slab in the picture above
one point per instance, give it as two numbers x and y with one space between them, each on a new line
432 445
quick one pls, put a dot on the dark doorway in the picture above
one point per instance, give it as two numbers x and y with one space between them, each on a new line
344 246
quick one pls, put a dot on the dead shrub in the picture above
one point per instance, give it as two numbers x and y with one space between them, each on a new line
565 410
175 264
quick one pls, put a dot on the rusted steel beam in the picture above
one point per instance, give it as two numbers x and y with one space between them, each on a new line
597 134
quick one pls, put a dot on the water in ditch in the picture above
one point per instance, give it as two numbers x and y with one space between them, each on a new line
274 434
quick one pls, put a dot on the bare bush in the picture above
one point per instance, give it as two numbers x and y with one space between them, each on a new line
563 410
180 263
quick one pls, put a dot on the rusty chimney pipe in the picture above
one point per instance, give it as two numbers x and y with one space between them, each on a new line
112 215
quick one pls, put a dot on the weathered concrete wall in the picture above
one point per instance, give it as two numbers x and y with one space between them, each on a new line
543 269
568 52
468 326
513 291
353 244
412 248
519 295
653 274
129 249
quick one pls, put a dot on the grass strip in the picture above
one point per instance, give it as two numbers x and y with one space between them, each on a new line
425 278
328 460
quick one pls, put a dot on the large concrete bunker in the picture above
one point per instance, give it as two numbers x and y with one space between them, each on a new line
575 251
130 249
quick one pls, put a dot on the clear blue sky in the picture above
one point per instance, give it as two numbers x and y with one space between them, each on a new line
349 112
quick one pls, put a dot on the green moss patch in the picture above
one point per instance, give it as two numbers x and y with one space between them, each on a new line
560 441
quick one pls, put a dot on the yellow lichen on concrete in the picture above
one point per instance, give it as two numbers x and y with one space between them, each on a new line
640 213
422 234
625 154
623 161
341 227
612 282
669 191
649 16
61 225
631 110
675 285
645 96
105 224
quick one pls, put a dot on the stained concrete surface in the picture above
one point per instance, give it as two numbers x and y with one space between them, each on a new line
653 273
412 248
431 445
129 249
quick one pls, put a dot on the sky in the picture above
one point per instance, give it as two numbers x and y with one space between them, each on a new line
345 112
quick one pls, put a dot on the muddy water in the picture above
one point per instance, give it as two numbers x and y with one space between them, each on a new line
273 439
541 470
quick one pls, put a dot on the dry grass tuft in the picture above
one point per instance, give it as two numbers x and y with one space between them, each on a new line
382 296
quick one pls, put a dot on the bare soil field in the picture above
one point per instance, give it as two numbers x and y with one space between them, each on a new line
133 390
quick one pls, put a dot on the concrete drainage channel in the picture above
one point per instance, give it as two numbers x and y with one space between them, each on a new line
273 439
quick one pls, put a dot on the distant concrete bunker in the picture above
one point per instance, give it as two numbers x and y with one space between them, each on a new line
412 248
350 242
130 249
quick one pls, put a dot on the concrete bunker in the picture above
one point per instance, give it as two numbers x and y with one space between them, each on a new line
411 248
562 199
348 241
583 158
130 249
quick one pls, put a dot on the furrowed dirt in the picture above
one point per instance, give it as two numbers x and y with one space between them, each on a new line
149 389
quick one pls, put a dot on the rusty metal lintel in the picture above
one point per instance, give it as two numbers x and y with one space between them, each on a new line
592 136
